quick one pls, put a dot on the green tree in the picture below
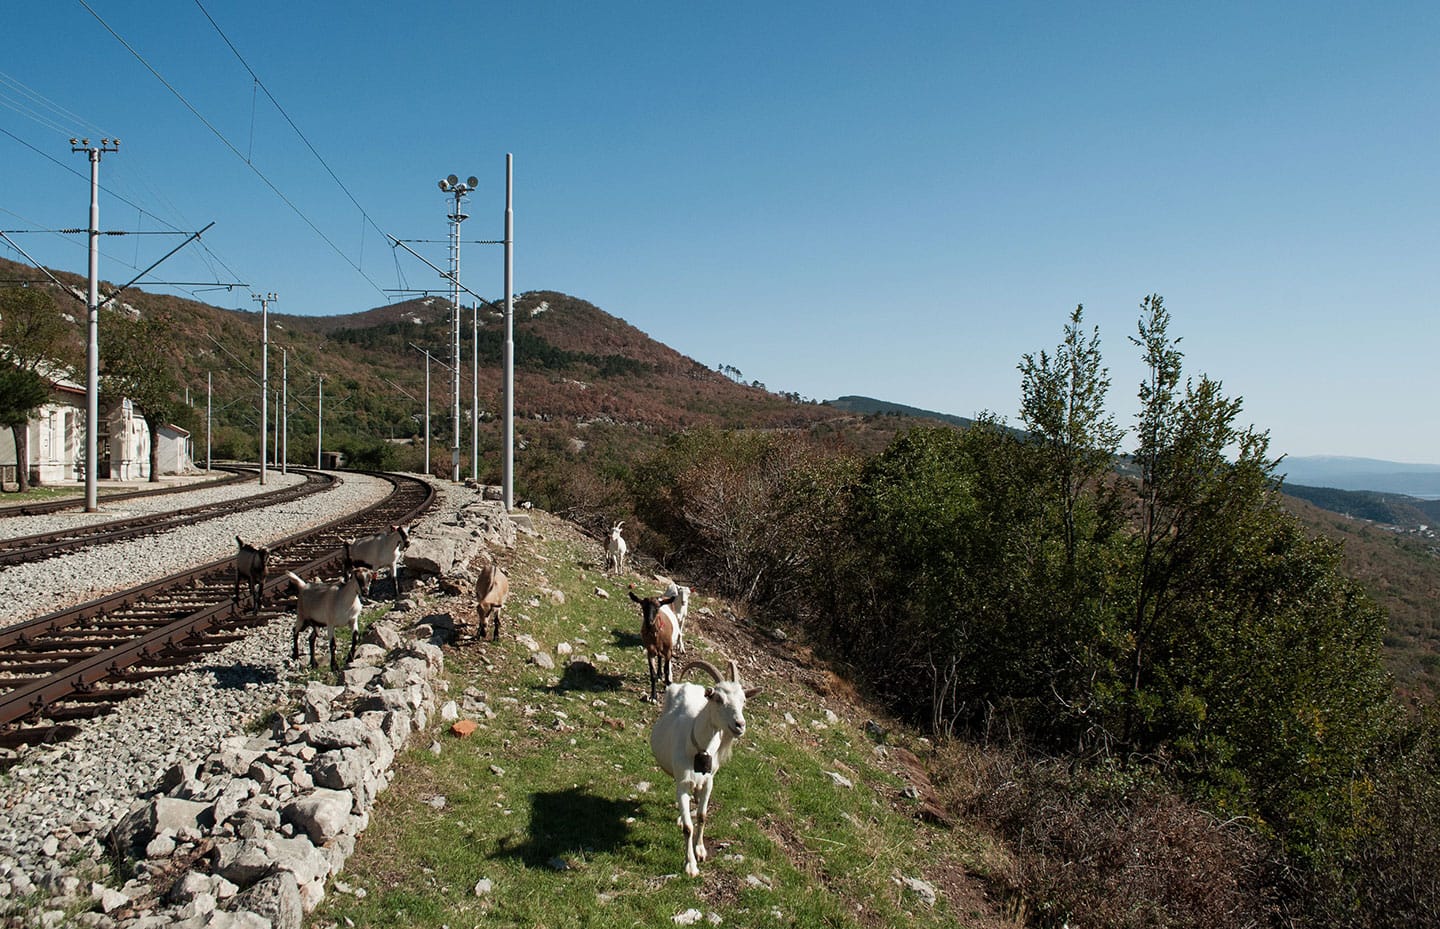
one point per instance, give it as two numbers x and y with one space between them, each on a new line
1248 656
35 347
1062 404
138 358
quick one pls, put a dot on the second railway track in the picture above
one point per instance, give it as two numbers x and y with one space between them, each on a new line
31 548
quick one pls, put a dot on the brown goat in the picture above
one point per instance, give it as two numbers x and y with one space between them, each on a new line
250 564
657 633
491 589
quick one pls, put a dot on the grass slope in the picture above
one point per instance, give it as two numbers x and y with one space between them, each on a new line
557 801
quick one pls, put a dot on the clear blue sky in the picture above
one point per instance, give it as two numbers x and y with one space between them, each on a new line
896 200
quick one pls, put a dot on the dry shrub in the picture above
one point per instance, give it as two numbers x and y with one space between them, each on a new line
1111 847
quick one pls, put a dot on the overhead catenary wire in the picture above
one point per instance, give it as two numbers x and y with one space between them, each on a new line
230 145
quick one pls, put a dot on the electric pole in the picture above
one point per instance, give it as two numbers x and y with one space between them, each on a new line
507 477
92 306
264 302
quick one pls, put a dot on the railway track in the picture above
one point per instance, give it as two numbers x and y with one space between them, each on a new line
30 548
41 507
78 663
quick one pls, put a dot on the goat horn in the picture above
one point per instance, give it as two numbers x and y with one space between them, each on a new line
734 671
704 666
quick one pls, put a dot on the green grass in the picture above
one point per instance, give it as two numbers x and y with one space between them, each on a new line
568 833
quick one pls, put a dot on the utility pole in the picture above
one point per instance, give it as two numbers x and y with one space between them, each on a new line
264 302
426 353
475 392
319 416
284 410
209 397
458 190
507 477
92 306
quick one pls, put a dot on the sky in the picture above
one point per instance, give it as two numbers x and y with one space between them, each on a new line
891 200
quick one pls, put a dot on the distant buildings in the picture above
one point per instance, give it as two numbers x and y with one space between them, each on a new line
57 442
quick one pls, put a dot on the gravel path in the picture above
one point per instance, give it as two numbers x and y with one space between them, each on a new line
58 802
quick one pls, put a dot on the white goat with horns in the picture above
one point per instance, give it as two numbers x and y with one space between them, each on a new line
692 738
615 549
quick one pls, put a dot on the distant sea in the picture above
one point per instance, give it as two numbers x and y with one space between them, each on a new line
1391 477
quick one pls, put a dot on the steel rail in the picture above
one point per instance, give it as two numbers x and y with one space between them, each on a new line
30 697
32 548
236 473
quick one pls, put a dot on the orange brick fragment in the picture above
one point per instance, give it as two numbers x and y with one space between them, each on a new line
463 728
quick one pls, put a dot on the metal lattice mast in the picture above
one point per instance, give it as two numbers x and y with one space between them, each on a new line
453 186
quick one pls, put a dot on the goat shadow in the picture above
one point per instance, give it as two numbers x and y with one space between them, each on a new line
626 638
237 676
582 675
571 823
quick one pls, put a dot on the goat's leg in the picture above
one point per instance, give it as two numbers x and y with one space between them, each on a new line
704 804
314 631
354 641
495 622
650 666
682 796
334 665
295 641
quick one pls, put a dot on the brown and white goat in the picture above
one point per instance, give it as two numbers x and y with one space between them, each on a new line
328 606
491 589
250 563
658 629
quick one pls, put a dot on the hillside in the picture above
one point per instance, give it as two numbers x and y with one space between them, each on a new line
1401 569
556 809
869 405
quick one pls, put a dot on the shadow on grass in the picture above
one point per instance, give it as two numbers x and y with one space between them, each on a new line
626 638
565 824
582 675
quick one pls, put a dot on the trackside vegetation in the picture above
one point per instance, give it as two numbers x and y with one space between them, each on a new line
1159 646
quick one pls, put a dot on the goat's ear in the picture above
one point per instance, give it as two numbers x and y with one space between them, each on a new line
753 692
666 601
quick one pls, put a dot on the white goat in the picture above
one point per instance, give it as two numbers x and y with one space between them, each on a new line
328 606
384 550
615 550
681 608
692 738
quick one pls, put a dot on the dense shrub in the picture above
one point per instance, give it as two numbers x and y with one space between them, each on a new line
1113 846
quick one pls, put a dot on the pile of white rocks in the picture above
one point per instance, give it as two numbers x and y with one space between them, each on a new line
251 836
